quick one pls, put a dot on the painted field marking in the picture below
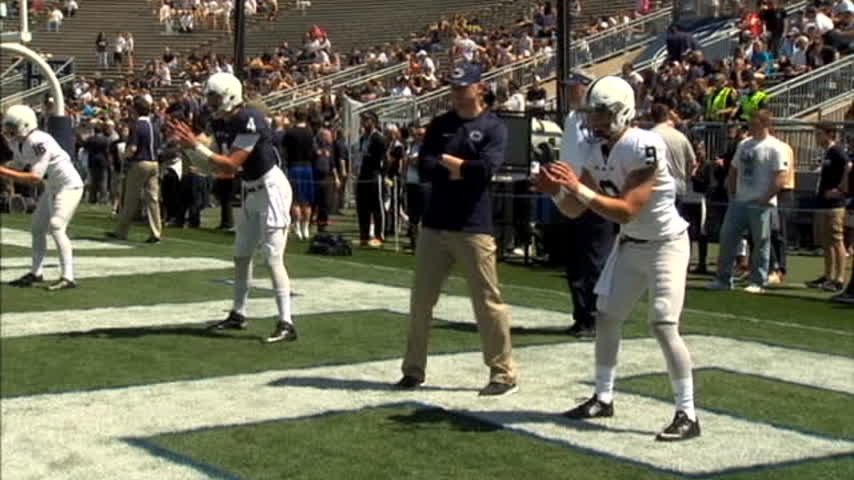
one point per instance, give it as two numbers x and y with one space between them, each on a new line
94 267
315 295
21 238
80 434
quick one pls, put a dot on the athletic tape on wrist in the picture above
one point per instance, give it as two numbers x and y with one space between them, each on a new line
207 152
585 195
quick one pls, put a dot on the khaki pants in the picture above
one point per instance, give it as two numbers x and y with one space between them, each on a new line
142 181
436 253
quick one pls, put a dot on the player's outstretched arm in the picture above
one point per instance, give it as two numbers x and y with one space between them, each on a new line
553 180
229 162
20 177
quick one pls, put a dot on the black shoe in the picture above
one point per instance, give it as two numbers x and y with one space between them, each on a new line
833 287
682 428
27 280
114 236
61 284
495 389
408 383
818 282
235 321
592 408
283 333
844 297
153 240
581 331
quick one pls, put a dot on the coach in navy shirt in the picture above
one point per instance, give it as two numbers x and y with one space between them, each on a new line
462 150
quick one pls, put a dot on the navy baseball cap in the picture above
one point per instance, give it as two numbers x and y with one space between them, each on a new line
578 76
465 75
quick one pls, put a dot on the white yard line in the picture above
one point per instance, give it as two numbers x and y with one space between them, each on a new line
79 434
95 267
563 295
314 296
21 238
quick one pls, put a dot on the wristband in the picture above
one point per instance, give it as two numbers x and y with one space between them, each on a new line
207 152
585 195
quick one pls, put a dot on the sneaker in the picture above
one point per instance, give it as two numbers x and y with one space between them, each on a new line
775 278
592 408
408 383
682 428
718 286
495 389
61 284
284 332
375 243
27 280
831 286
578 330
754 288
235 321
844 297
818 282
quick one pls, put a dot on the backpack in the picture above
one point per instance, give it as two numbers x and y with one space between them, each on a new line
329 244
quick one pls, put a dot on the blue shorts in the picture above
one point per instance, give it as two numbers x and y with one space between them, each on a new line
302 182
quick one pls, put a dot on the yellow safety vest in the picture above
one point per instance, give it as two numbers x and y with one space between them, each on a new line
717 101
751 103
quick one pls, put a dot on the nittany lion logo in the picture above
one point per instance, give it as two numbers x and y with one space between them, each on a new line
458 73
476 136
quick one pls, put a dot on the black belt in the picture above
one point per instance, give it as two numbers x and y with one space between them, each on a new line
254 189
640 241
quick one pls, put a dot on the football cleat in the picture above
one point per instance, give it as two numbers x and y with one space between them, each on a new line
284 332
235 321
682 428
592 408
61 284
581 331
27 280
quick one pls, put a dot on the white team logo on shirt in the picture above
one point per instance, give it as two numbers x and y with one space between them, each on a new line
476 136
458 73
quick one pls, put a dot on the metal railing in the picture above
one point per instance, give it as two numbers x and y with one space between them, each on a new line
802 95
617 40
386 76
18 97
799 135
293 92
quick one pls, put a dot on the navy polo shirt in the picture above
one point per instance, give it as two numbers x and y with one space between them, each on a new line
462 205
146 137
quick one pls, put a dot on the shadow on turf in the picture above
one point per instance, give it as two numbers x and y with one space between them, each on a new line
326 383
472 328
192 331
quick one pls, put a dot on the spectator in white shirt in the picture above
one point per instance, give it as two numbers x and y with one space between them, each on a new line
71 7
119 45
54 20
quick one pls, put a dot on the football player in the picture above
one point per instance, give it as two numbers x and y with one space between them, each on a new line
243 140
625 179
43 161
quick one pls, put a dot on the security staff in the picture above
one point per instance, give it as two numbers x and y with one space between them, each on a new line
590 237
369 194
462 150
754 100
720 99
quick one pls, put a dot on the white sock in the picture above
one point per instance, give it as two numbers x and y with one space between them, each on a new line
683 395
282 287
63 245
306 229
242 279
39 252
605 383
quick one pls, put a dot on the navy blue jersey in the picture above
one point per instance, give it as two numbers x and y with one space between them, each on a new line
462 205
247 129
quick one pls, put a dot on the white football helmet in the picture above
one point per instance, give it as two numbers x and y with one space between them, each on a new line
19 121
614 96
229 89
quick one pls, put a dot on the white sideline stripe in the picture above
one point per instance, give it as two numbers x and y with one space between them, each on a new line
93 267
315 295
78 434
339 261
20 238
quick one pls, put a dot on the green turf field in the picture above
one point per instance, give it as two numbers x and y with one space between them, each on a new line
119 379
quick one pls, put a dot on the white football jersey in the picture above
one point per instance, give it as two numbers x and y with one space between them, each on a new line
46 159
639 149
